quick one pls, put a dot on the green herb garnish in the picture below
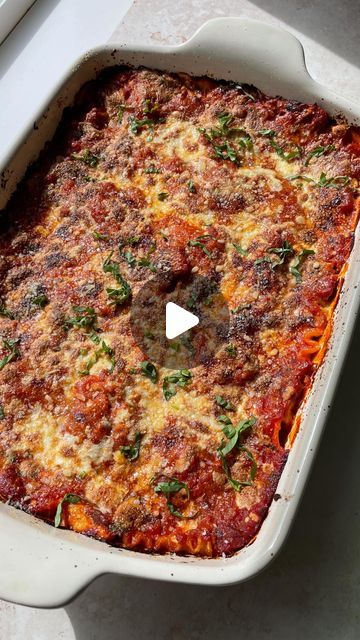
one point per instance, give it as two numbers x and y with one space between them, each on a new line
172 487
136 125
87 157
2 412
131 451
100 236
319 151
13 352
336 182
152 169
224 404
85 318
4 312
121 295
191 186
163 196
239 249
197 242
236 484
40 300
181 379
220 138
234 439
121 110
104 349
233 433
231 350
69 498
285 155
226 152
149 370
129 258
295 268
150 107
282 252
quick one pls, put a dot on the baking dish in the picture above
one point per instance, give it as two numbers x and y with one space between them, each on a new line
43 566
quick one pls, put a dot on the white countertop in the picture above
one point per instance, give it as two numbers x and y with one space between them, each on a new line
312 590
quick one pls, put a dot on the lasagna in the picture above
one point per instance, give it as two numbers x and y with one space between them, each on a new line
156 175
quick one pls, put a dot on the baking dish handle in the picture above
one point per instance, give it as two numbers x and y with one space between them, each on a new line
257 49
41 566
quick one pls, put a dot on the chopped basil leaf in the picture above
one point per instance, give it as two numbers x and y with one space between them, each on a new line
175 512
129 258
100 236
152 169
69 498
196 242
233 433
85 318
149 370
319 151
87 157
245 141
121 110
282 252
169 488
231 350
149 335
221 135
121 295
225 152
2 412
104 349
146 262
224 404
191 302
191 186
131 451
336 182
4 312
239 249
136 125
172 486
150 107
263 259
267 133
180 378
285 155
163 196
130 240
40 301
13 352
295 267
236 484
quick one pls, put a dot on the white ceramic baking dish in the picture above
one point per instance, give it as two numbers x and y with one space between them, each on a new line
44 566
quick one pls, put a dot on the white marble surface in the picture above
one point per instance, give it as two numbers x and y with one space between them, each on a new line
312 590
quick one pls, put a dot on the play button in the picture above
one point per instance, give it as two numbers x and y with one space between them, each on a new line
178 320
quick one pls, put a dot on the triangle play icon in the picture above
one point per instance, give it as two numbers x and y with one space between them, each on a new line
178 320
